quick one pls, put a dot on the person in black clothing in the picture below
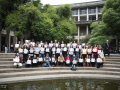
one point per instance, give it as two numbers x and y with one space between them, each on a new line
106 48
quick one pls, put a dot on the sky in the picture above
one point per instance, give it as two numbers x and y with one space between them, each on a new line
57 2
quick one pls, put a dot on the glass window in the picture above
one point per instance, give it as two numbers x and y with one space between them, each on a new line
100 9
92 10
75 12
83 11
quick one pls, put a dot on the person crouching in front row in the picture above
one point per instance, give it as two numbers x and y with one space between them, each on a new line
47 61
34 62
61 60
28 63
68 60
40 60
17 60
74 60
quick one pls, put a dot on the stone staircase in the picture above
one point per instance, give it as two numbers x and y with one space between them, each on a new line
8 73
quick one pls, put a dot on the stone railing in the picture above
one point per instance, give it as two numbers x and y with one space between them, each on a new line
87 22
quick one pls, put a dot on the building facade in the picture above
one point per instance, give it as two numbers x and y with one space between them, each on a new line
84 14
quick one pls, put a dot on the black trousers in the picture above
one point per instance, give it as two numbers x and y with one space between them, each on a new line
40 63
25 57
61 63
80 64
106 51
93 64
57 55
34 64
64 54
84 56
95 56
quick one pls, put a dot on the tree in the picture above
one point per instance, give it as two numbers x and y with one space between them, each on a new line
111 17
98 34
85 39
28 19
7 6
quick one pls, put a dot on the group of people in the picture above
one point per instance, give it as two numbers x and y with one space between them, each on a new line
52 54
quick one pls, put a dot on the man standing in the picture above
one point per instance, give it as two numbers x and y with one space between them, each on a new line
106 48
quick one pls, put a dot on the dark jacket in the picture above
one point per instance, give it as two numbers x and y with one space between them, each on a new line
106 46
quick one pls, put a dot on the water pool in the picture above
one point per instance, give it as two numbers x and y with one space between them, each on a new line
67 84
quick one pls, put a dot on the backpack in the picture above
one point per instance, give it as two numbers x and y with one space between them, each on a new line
73 67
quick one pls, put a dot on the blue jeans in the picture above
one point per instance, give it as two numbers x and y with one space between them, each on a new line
47 64
42 55
11 50
77 56
71 56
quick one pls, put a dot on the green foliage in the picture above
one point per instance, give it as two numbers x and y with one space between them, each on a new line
98 34
111 17
8 6
42 24
85 39
65 11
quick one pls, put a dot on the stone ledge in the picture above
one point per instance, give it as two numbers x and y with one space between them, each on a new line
59 76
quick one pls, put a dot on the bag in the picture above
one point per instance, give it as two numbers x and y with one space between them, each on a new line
104 59
73 67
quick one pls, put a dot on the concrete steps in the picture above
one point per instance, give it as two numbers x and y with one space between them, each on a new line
7 55
8 73
10 70
51 72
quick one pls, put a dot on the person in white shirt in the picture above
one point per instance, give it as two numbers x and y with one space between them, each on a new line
58 50
65 51
47 50
54 61
53 50
71 51
42 50
99 61
36 50
17 60
28 63
34 61
80 61
101 53
33 43
92 61
45 45
40 60
25 53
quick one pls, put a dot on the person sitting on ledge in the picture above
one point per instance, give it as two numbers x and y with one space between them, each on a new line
74 60
53 60
17 60
28 63
61 60
68 60
47 61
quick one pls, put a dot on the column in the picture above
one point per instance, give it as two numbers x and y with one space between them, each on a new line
0 41
87 14
78 33
96 13
78 14
86 29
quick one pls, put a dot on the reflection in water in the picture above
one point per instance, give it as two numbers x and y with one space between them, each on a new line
67 84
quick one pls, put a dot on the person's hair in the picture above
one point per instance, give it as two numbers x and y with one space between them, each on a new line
92 56
39 55
81 56
34 57
29 57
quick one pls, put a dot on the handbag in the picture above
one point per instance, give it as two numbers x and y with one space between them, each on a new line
104 59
